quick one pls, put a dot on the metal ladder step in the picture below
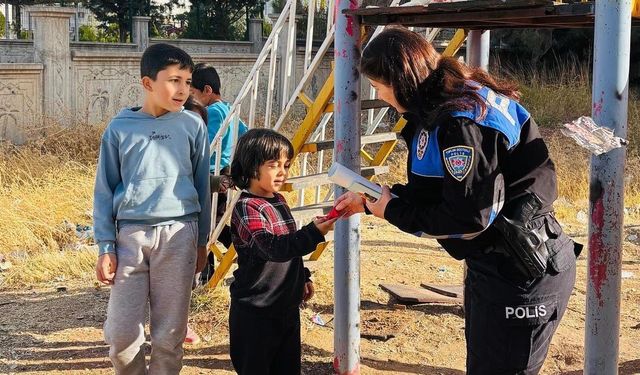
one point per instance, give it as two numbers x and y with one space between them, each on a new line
365 140
318 179
364 105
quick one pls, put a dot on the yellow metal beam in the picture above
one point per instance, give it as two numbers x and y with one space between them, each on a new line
305 99
635 8
223 268
309 147
387 147
313 116
216 252
455 43
318 251
400 125
366 156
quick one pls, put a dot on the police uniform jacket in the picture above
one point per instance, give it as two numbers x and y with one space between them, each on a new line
463 167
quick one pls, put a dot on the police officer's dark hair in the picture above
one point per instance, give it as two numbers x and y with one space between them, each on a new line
424 82
159 56
193 105
206 74
254 148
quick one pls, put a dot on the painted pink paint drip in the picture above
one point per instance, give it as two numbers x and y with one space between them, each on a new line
336 368
353 4
350 26
597 253
340 146
597 106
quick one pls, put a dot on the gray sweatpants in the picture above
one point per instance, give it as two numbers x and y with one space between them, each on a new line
155 265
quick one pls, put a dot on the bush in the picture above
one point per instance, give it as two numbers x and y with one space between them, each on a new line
88 33
2 25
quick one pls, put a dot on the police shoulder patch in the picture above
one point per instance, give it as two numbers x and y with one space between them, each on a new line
423 139
458 160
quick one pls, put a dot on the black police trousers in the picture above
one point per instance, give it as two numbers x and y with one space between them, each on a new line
264 345
509 323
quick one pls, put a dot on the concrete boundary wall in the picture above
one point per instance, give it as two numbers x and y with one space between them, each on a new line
20 100
52 80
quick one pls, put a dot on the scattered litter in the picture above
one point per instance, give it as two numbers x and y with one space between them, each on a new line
84 232
317 319
19 255
442 270
632 237
5 265
596 139
61 288
627 275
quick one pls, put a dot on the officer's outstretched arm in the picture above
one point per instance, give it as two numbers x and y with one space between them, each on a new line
473 186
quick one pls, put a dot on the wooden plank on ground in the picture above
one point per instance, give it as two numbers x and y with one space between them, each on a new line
407 294
454 291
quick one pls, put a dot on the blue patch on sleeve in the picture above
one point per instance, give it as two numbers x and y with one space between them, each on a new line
458 160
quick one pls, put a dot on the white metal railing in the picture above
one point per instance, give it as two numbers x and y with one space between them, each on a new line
284 61
279 60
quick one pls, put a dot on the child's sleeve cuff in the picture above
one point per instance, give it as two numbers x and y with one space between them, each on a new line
105 247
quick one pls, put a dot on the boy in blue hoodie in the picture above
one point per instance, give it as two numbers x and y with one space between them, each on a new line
152 215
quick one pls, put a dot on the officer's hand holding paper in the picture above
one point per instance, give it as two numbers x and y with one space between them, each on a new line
352 202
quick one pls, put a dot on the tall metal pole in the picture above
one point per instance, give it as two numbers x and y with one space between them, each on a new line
346 339
478 48
606 196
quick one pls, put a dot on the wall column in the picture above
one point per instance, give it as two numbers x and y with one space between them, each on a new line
51 44
141 32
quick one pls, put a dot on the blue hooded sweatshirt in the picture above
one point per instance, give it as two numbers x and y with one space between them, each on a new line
153 171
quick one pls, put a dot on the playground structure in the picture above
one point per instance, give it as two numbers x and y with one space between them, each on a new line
474 19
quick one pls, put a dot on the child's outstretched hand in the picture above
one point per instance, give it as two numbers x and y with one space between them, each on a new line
324 224
308 291
106 268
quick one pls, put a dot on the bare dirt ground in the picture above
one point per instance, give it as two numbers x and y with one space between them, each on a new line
49 331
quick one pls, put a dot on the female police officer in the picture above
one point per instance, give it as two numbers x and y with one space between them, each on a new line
481 182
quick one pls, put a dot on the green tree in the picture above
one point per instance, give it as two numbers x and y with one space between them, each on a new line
121 13
2 21
302 10
219 19
88 33
16 25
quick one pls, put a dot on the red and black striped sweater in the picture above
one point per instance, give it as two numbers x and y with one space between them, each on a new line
270 276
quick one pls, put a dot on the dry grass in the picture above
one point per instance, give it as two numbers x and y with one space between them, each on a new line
46 187
53 267
556 96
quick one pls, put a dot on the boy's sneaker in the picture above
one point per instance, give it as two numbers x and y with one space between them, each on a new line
192 337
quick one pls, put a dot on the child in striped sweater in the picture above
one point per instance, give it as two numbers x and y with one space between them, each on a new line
271 281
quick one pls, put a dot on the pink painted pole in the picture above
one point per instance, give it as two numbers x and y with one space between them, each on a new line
610 100
346 336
